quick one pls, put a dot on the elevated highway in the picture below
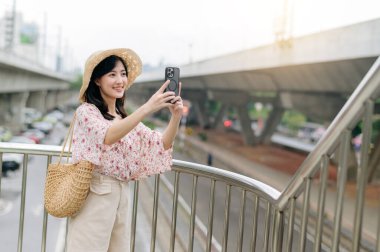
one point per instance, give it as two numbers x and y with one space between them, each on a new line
25 84
314 74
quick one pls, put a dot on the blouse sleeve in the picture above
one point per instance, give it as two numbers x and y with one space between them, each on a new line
89 133
154 158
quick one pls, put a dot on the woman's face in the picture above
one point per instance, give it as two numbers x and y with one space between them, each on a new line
112 84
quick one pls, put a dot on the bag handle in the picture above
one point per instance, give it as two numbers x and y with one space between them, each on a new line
69 135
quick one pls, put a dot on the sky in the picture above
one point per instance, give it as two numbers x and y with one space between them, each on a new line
177 32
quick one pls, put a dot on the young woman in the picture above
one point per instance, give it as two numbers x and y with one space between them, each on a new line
119 145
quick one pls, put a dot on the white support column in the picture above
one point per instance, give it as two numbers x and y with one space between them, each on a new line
37 100
14 108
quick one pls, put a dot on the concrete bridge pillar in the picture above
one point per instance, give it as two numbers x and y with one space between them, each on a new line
61 97
37 100
245 121
51 99
200 111
239 100
11 110
219 116
272 122
198 100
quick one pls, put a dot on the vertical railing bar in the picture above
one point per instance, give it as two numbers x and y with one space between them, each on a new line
210 215
134 215
193 210
267 227
254 223
241 221
271 236
226 217
155 209
342 177
22 206
66 232
1 170
45 218
289 239
321 203
278 231
362 176
305 215
174 212
378 233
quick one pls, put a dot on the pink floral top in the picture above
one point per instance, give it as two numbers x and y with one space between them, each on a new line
138 154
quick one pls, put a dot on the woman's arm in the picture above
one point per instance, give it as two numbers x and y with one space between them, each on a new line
122 127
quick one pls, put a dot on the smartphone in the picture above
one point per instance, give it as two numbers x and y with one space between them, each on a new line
172 74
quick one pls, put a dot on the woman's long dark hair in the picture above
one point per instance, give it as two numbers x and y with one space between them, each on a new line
92 93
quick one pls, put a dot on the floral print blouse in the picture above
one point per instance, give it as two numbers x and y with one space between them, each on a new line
138 154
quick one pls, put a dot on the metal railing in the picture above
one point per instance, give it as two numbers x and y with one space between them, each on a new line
259 192
277 219
336 141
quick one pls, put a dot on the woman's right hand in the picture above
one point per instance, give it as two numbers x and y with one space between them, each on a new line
159 100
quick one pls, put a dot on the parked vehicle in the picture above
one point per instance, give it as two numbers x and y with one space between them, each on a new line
34 134
31 115
45 127
21 139
311 132
11 162
56 114
5 134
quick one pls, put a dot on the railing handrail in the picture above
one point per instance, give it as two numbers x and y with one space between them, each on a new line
261 189
365 90
32 149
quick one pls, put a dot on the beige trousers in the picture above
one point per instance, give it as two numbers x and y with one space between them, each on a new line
103 223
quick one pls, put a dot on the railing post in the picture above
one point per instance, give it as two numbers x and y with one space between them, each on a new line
267 227
278 231
192 216
211 215
305 216
155 208
22 207
321 203
1 170
254 223
134 215
289 240
342 177
226 217
241 222
174 212
362 173
378 233
45 219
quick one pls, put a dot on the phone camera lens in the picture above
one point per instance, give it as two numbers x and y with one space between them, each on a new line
170 72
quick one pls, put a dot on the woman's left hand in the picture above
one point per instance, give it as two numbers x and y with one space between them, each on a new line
177 105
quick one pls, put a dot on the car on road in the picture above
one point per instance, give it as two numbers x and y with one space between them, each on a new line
34 134
45 127
21 139
5 134
11 162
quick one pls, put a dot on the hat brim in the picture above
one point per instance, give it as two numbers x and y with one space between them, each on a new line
130 58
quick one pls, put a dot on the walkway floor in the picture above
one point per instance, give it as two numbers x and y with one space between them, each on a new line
228 148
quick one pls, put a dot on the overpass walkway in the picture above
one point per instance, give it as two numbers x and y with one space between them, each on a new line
275 166
307 215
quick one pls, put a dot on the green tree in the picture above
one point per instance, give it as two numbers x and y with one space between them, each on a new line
77 83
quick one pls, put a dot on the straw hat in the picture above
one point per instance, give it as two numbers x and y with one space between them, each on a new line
130 58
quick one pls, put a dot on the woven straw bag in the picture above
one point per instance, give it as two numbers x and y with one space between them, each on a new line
67 185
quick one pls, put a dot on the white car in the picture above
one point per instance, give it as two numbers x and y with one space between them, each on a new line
21 139
45 127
